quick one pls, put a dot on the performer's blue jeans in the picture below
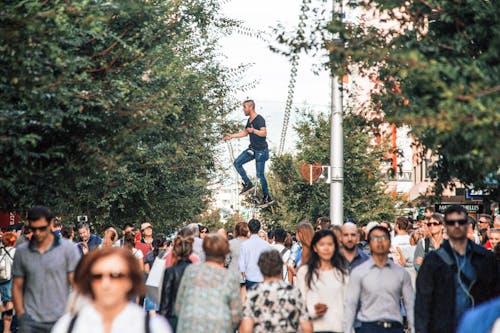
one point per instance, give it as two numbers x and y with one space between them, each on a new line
260 156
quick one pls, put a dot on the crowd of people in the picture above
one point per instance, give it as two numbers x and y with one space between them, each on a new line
415 276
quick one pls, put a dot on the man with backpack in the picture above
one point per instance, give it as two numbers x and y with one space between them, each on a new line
456 277
279 245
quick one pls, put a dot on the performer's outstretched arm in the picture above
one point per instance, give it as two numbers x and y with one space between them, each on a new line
236 135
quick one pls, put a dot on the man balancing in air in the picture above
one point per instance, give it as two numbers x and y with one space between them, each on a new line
258 150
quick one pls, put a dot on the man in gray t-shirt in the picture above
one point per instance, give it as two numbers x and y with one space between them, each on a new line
43 271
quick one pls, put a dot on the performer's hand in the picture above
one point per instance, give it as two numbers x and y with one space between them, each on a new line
250 129
227 137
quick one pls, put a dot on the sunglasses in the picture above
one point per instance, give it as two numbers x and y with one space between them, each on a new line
111 276
454 222
34 229
429 224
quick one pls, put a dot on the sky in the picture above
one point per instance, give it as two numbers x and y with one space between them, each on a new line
271 70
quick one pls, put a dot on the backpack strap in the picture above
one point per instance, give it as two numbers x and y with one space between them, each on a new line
282 252
445 256
147 323
72 323
427 244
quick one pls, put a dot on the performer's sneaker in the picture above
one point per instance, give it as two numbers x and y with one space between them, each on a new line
266 201
247 188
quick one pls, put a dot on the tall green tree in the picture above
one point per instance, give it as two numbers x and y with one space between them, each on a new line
364 184
437 61
111 109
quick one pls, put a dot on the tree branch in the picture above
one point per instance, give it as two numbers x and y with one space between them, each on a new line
112 46
489 91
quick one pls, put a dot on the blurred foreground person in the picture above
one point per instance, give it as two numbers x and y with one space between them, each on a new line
484 318
110 277
458 276
274 305
208 299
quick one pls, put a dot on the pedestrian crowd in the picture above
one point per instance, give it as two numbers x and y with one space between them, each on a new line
440 273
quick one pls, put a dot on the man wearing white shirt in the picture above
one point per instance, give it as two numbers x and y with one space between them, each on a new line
249 256
279 245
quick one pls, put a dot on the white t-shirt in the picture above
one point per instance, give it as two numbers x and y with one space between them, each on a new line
285 255
130 319
329 288
403 242
137 253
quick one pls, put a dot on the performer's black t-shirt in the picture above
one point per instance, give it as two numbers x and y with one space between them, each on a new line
257 142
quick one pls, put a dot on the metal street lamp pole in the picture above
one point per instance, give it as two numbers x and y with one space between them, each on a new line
336 149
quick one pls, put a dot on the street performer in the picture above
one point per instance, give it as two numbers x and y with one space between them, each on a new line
258 150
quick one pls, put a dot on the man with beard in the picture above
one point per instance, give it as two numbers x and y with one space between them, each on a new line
349 240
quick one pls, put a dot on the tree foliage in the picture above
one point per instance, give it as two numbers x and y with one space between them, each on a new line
437 62
364 197
111 109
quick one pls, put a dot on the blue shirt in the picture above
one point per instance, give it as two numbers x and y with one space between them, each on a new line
462 298
250 251
94 242
358 259
482 318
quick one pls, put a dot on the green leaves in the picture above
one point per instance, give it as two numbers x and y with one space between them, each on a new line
444 57
364 198
111 109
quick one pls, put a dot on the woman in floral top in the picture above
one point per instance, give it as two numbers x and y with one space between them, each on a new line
209 299
274 306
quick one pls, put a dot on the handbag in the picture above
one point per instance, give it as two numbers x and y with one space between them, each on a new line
155 280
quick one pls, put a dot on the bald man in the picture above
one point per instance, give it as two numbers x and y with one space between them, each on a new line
349 240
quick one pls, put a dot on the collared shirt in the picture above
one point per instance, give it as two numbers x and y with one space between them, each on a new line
46 285
130 319
94 242
374 294
250 251
358 259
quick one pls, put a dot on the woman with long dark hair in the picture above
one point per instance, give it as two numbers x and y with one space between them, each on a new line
323 282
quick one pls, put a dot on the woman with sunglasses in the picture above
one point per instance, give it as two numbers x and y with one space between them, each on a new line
434 226
323 282
110 277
